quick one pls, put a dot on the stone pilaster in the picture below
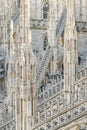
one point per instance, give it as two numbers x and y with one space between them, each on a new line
52 35
10 74
70 48
25 74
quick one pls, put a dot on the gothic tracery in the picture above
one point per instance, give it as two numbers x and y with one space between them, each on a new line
43 65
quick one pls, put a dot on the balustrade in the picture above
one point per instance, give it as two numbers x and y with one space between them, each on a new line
9 117
82 73
36 23
50 91
62 118
80 92
52 113
9 126
55 105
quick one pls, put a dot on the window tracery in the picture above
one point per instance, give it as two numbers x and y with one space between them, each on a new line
45 9
45 42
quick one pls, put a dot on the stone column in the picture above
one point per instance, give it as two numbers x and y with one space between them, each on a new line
23 88
70 48
52 34
24 68
10 73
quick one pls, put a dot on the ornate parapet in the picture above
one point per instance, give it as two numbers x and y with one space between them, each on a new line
65 116
42 24
81 72
34 23
38 24
53 113
8 122
81 26
50 91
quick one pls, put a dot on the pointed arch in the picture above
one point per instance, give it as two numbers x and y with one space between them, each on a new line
45 41
45 9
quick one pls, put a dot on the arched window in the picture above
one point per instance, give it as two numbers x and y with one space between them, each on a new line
45 42
45 10
18 3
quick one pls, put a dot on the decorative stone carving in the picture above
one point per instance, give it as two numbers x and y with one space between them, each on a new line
38 24
81 26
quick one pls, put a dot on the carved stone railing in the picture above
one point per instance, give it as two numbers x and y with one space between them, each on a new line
50 90
43 24
34 23
66 115
81 26
54 119
8 121
3 108
49 107
38 24
82 73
